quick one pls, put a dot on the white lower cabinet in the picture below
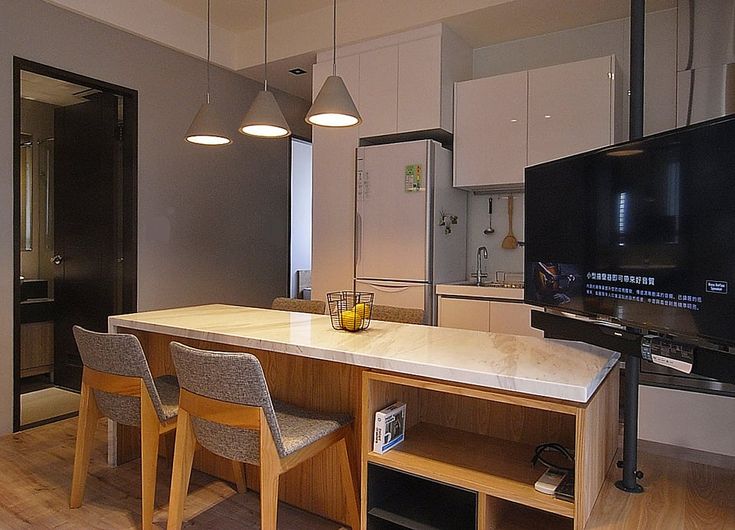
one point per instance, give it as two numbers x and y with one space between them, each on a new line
464 313
512 318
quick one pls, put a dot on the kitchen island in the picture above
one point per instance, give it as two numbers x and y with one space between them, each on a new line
503 392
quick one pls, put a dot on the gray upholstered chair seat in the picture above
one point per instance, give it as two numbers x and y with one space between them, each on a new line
298 428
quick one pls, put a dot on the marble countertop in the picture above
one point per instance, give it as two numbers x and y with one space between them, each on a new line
564 370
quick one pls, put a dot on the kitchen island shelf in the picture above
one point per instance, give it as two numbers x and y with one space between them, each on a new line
483 440
501 468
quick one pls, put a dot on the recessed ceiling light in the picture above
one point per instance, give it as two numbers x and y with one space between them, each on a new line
297 71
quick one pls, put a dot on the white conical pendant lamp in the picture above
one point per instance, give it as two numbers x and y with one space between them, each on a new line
265 119
207 128
333 106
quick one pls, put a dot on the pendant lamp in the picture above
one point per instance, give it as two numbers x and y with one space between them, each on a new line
207 127
333 106
265 119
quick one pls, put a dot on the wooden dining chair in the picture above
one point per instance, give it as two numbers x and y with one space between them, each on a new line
318 307
117 384
226 407
404 315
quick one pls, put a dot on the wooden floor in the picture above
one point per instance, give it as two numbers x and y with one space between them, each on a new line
35 472
35 475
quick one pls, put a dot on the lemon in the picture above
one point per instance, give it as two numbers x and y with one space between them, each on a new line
362 310
351 321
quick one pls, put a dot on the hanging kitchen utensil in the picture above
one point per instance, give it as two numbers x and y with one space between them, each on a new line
489 230
510 242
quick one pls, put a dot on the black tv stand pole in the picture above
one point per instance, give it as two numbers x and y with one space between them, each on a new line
633 362
629 463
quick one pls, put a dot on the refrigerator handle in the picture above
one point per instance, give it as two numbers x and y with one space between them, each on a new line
389 288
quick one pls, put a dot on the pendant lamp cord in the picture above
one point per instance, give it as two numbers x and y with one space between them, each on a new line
334 38
265 48
209 45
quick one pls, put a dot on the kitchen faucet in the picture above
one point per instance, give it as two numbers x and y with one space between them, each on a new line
481 254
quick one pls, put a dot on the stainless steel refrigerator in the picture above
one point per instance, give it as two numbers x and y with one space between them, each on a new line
410 224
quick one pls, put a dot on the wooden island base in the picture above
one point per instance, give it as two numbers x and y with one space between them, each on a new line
477 438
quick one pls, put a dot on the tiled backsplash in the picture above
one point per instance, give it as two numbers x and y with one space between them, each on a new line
478 219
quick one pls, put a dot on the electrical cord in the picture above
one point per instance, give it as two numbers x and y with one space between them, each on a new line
556 448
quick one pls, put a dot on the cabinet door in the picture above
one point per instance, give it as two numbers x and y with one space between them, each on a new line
490 130
512 319
333 190
464 313
419 84
379 91
569 109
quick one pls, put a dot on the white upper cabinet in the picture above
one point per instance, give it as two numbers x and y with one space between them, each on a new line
490 130
570 108
419 84
379 91
406 80
504 123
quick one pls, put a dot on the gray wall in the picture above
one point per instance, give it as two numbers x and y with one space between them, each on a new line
213 222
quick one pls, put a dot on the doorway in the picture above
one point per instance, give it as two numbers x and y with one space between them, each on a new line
75 228
300 268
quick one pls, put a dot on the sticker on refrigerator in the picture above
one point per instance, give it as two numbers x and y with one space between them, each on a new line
414 178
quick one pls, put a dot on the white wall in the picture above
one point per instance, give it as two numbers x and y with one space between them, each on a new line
687 419
300 209
213 223
499 259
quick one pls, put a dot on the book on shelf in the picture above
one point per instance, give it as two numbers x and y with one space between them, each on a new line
390 426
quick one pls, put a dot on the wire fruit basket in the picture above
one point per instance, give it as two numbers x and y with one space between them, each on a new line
350 310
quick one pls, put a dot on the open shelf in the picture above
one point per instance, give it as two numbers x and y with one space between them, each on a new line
504 515
496 467
399 500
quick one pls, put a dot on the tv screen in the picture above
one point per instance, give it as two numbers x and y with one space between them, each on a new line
642 233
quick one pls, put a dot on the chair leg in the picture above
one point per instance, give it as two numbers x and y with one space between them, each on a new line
149 440
87 424
348 484
183 459
268 497
238 469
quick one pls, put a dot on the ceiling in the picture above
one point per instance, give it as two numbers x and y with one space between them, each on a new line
522 19
298 29
53 91
239 15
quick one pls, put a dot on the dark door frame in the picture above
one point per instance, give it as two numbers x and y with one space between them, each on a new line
129 204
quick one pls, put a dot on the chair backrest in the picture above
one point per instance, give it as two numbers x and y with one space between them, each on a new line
232 378
403 315
122 355
318 307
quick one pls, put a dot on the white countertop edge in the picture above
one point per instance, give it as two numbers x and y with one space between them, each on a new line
531 387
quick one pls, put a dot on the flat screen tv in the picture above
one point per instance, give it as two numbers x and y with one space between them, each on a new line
641 233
